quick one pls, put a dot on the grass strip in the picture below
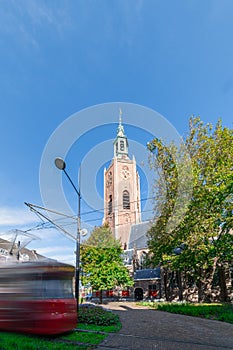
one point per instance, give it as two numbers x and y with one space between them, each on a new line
214 311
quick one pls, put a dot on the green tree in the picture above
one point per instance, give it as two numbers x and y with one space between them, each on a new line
204 236
101 261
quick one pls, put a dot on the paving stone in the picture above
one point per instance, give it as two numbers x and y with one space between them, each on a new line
143 328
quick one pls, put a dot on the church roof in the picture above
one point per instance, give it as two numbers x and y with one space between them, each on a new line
147 274
137 236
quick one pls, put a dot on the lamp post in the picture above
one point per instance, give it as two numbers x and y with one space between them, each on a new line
61 165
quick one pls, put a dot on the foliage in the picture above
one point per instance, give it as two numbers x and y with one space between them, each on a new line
84 337
202 242
109 329
102 237
97 316
220 312
101 261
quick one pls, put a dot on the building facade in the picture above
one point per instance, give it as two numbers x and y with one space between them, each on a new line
122 211
122 200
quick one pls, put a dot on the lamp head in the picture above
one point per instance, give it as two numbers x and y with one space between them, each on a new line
60 163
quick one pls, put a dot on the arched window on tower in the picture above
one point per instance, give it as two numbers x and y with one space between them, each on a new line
126 200
122 146
109 181
110 205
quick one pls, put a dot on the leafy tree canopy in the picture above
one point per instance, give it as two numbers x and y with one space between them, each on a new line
204 235
101 261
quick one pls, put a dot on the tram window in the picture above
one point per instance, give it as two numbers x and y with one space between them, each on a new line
57 289
52 289
27 284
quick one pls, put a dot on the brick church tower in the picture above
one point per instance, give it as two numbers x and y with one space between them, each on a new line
121 190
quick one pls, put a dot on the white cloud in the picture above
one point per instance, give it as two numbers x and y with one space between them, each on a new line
50 243
54 245
67 259
24 23
51 250
16 216
57 17
63 254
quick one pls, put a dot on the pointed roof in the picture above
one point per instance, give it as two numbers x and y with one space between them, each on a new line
121 141
120 129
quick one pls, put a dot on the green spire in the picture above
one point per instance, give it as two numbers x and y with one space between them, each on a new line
121 142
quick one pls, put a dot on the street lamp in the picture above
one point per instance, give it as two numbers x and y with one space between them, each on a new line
61 165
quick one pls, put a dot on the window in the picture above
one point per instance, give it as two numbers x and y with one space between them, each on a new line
152 287
109 181
51 289
152 291
110 205
126 201
122 146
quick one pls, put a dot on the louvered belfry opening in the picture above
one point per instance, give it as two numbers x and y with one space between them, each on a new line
126 200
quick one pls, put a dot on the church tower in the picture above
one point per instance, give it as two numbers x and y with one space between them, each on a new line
121 189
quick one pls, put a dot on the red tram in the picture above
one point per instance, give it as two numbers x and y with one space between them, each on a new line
37 298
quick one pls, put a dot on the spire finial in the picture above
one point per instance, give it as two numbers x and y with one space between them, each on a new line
120 129
120 116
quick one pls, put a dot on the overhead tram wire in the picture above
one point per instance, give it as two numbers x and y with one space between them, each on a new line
45 225
102 209
73 217
57 213
31 206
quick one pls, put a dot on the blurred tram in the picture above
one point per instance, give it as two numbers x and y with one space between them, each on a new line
37 297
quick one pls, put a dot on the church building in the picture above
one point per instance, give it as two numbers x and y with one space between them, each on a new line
122 211
122 200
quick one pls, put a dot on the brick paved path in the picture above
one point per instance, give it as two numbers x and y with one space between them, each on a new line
150 329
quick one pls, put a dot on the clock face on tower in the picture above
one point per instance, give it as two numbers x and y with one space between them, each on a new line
125 174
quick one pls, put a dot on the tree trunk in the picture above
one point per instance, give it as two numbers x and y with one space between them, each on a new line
200 285
180 285
209 281
165 284
222 284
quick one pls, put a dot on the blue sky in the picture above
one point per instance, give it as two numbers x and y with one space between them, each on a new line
60 57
